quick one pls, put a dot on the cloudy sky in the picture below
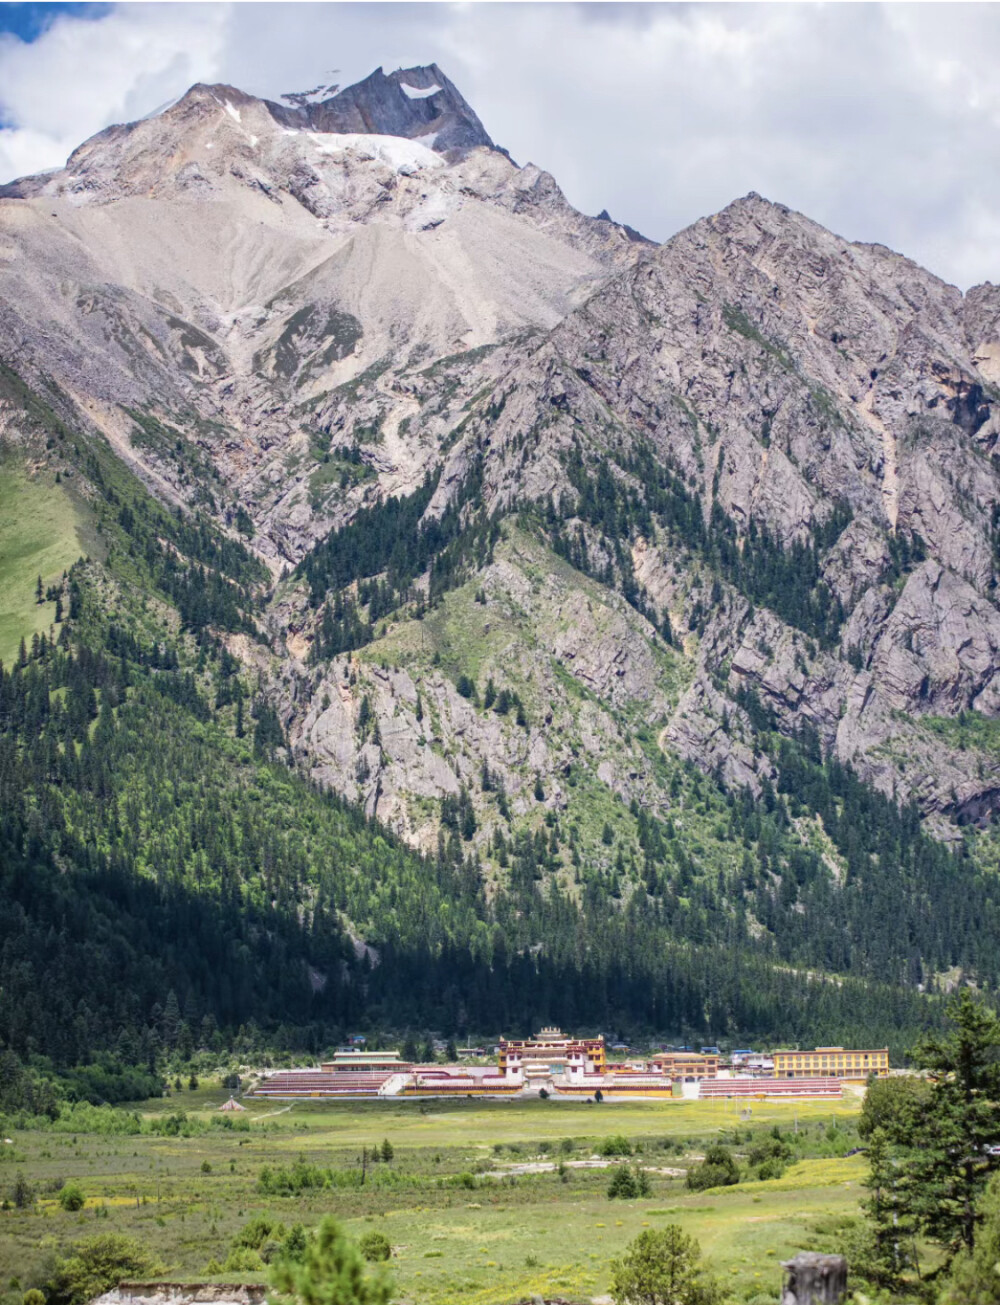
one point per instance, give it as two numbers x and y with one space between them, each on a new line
880 121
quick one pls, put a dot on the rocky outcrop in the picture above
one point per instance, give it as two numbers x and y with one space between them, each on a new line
411 102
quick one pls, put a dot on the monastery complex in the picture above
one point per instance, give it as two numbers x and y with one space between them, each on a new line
554 1065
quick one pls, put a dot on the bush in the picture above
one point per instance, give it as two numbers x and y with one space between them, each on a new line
72 1198
294 1245
617 1144
22 1194
95 1266
662 1267
375 1246
33 1297
769 1170
718 1169
772 1147
627 1184
465 1180
257 1232
241 1259
331 1272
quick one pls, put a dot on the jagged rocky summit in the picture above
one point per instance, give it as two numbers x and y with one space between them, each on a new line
414 103
742 483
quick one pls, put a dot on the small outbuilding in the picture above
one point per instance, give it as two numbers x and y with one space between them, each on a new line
232 1104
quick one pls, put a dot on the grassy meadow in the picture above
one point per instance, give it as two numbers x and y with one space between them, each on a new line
465 1224
41 529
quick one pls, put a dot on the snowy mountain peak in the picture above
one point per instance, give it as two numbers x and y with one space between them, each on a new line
415 103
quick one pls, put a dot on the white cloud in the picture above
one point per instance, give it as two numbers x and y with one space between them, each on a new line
879 121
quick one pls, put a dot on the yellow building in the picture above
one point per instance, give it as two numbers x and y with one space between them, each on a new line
688 1065
831 1062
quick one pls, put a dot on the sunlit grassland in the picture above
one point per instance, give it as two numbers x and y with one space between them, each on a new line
41 528
500 1240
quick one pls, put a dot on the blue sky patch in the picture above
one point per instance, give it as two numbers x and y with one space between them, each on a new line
29 21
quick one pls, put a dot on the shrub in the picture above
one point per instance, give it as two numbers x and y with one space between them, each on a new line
242 1259
770 1169
375 1246
718 1169
22 1193
72 1198
331 1272
257 1232
33 1297
206 1167
626 1184
662 1267
616 1144
294 1245
769 1155
96 1265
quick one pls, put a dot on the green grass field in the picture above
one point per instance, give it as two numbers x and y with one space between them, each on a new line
487 1237
41 528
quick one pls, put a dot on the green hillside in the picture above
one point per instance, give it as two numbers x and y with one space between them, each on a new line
42 530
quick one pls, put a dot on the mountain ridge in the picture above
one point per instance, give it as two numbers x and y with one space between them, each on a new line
608 575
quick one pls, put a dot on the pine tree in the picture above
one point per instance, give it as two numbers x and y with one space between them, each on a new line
171 1021
662 1267
887 1228
973 1277
330 1272
952 1141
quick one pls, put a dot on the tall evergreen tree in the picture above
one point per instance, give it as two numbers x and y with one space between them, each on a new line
951 1141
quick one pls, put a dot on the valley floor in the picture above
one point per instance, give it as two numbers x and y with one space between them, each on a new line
463 1227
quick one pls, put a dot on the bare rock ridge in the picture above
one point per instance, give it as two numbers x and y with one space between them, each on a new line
761 461
411 102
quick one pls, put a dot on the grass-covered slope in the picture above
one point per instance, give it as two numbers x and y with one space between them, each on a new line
41 536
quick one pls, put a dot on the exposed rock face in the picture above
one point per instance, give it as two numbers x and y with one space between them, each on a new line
299 310
784 372
275 290
411 102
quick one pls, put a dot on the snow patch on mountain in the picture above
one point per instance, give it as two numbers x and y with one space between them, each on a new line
398 152
419 93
